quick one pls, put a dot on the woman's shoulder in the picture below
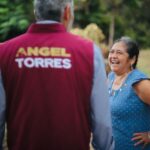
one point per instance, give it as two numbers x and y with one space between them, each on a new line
137 75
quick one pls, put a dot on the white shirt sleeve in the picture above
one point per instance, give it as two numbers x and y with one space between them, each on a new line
2 111
100 109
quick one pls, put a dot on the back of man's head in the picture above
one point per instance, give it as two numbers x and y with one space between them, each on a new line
50 9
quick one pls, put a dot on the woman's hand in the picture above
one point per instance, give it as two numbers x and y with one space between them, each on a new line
141 138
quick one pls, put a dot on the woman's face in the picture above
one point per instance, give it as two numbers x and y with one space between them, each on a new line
118 58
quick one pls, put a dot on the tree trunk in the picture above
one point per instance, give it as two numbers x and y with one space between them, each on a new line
111 31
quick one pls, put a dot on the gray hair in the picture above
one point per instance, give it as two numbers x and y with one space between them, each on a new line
132 48
50 9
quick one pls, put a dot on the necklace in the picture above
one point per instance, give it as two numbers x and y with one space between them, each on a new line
113 92
115 88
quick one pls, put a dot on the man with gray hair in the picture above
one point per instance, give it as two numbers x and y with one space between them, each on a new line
53 91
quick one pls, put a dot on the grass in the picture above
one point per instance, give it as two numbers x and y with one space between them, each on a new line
144 62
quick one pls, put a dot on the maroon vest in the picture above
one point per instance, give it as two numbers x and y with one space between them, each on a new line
47 75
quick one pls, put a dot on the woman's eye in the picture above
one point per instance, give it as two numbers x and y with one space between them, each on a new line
119 53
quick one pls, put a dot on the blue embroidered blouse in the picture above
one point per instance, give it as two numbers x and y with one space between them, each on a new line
129 113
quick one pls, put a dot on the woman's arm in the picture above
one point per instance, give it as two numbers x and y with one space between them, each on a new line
142 89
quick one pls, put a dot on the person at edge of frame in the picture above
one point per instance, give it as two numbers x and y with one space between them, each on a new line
53 90
129 94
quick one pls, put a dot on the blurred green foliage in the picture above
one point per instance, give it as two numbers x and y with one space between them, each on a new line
15 17
115 17
131 17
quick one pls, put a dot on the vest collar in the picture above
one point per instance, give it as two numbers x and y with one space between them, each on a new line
46 28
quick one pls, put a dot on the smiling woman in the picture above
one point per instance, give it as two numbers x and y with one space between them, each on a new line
123 56
129 94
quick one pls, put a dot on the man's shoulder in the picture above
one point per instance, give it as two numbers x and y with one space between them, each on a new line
8 45
1 44
12 41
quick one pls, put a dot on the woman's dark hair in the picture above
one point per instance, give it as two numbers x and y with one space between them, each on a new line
132 48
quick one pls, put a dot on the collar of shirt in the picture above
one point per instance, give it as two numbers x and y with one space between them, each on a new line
47 22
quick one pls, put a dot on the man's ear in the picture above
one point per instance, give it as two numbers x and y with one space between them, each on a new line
66 16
